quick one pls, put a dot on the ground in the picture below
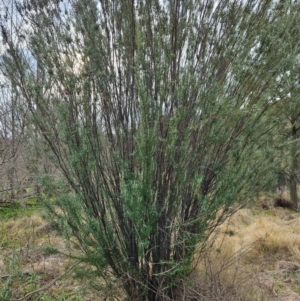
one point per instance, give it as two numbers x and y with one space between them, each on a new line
256 256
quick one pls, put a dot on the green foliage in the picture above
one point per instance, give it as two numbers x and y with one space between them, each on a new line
16 211
6 213
32 202
50 250
156 115
5 289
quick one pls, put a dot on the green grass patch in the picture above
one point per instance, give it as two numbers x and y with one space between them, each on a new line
19 211
50 250
7 213
33 202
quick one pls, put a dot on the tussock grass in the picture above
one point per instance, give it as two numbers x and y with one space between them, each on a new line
250 252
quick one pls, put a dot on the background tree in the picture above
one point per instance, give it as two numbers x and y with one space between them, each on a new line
286 114
283 140
286 138
153 111
14 150
291 132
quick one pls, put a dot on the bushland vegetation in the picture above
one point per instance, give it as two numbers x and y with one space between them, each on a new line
148 124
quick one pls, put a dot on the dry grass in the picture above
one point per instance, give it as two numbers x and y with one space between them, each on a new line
31 260
256 256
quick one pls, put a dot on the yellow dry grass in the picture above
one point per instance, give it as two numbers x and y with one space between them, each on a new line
256 255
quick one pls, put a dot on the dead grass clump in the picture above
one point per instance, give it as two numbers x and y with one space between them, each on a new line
241 218
22 224
242 263
268 234
295 251
273 235
222 274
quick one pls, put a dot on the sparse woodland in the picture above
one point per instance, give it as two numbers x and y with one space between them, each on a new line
142 128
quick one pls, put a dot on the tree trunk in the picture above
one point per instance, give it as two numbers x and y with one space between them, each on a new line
294 168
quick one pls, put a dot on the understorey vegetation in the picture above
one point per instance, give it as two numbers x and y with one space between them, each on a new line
160 117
